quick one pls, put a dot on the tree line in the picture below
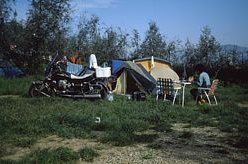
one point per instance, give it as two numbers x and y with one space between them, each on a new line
46 31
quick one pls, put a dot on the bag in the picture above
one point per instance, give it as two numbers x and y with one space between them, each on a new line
139 96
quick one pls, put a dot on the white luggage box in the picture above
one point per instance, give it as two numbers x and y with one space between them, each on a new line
103 72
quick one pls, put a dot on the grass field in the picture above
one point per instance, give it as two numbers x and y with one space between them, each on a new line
25 122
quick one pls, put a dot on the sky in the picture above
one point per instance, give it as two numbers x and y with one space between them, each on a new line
176 19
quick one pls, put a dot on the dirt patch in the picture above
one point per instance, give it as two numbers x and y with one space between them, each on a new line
183 145
9 96
203 145
243 105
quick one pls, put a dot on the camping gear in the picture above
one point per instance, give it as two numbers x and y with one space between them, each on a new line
57 82
153 62
103 72
139 96
73 68
158 68
115 64
166 73
8 69
133 77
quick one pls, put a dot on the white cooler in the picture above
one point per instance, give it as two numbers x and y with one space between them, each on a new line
103 72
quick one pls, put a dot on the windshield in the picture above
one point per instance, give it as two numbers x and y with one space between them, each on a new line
51 63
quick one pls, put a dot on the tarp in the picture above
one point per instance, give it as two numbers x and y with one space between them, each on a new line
115 64
133 77
9 70
73 68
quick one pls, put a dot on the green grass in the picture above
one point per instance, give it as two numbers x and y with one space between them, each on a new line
59 155
24 120
88 154
15 86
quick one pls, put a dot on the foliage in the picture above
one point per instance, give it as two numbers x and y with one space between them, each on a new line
45 30
154 43
88 154
205 52
5 12
107 43
208 48
135 45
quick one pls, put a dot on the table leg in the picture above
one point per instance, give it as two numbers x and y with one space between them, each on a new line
183 96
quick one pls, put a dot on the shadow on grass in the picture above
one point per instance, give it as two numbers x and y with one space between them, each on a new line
145 138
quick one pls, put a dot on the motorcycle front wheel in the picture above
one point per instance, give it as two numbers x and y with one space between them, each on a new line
34 90
39 90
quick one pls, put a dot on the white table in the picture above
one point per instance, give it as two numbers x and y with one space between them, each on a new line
183 84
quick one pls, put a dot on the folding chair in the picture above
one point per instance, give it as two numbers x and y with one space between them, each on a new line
165 87
208 92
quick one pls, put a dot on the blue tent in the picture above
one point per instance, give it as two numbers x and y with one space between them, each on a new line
9 70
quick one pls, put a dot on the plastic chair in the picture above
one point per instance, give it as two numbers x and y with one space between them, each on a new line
165 87
208 92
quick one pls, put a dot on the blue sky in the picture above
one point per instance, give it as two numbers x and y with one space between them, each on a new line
176 19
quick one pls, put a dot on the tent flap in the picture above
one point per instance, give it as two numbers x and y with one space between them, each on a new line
132 77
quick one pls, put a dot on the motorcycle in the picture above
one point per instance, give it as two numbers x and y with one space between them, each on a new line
58 82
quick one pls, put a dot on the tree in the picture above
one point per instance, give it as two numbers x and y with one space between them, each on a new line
208 48
107 45
154 43
11 35
135 45
170 49
115 42
89 36
45 29
189 57
15 31
5 12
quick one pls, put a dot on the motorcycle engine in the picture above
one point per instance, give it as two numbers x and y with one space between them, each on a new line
64 84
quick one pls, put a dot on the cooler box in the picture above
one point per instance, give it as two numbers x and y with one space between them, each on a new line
103 72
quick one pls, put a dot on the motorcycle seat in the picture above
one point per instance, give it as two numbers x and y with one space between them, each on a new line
80 77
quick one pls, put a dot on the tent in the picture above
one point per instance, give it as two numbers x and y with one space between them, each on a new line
133 77
8 69
158 68
165 72
115 64
151 62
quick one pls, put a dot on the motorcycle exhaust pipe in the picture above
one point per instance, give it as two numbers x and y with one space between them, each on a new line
92 96
83 96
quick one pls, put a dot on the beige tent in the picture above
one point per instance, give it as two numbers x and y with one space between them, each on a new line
158 68
165 72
